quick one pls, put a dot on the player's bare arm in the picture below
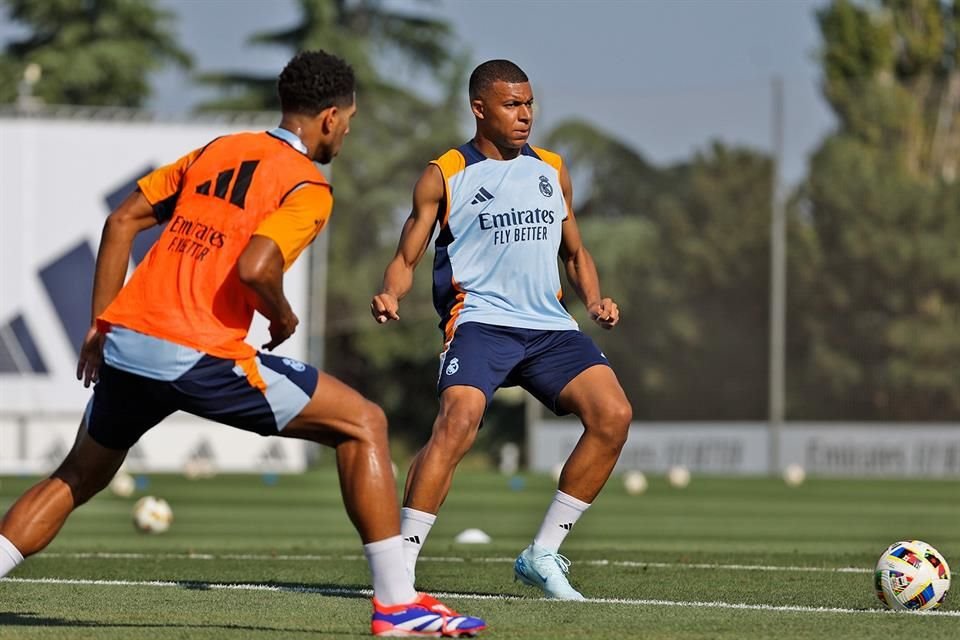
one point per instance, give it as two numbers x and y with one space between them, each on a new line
135 214
414 238
581 270
260 267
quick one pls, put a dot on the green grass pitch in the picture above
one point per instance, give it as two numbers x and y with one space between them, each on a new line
724 558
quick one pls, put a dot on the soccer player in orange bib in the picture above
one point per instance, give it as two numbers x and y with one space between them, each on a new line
504 210
238 212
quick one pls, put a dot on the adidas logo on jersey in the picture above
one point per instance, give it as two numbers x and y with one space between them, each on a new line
413 539
567 525
482 196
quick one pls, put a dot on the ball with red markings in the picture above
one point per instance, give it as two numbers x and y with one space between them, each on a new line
912 576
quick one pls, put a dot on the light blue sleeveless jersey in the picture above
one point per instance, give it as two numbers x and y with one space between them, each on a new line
496 254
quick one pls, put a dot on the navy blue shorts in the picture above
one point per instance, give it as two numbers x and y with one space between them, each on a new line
542 362
126 405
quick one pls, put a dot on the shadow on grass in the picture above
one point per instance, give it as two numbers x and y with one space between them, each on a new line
30 619
335 590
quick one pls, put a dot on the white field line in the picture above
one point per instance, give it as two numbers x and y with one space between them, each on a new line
466 596
331 557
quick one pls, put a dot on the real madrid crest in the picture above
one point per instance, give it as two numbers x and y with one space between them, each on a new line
545 187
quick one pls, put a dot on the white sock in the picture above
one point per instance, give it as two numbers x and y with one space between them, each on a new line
562 514
391 582
414 527
10 556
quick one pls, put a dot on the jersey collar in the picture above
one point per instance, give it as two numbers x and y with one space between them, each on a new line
290 138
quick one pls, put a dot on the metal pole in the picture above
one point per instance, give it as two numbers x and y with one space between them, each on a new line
531 416
778 282
318 298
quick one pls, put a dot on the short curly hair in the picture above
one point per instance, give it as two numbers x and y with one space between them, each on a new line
313 81
491 71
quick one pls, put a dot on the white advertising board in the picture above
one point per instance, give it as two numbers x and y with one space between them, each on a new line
723 448
827 449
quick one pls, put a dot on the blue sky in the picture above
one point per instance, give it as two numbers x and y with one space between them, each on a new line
666 76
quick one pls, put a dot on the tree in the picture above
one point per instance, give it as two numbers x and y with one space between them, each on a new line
892 75
91 52
882 314
685 250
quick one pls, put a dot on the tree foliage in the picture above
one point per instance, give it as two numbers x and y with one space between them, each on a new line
91 52
874 242
881 317
685 251
892 76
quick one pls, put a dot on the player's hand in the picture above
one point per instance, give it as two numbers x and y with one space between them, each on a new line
280 330
384 307
91 357
605 313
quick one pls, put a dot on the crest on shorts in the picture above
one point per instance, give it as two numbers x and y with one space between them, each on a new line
453 367
296 365
545 187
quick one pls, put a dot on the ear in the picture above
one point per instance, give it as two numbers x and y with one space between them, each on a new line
328 119
477 107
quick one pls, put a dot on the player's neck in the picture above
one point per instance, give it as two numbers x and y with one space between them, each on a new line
492 150
291 124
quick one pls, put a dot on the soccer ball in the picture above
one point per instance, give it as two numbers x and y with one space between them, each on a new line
634 482
152 515
678 477
123 484
912 576
794 475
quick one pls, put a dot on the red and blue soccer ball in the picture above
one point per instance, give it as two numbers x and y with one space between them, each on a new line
912 576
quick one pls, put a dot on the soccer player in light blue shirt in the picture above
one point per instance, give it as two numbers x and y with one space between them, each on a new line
504 213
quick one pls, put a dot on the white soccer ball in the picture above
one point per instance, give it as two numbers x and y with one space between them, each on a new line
634 482
794 475
123 484
678 477
152 515
912 576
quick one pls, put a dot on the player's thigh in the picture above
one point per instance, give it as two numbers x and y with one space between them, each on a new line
461 409
261 394
554 362
479 356
336 412
595 395
123 407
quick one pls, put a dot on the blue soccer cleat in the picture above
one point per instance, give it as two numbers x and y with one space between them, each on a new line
547 570
426 617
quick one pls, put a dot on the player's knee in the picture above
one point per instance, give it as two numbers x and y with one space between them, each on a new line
621 414
612 423
373 422
456 431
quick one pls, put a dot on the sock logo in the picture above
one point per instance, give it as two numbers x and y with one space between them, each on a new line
413 539
566 525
